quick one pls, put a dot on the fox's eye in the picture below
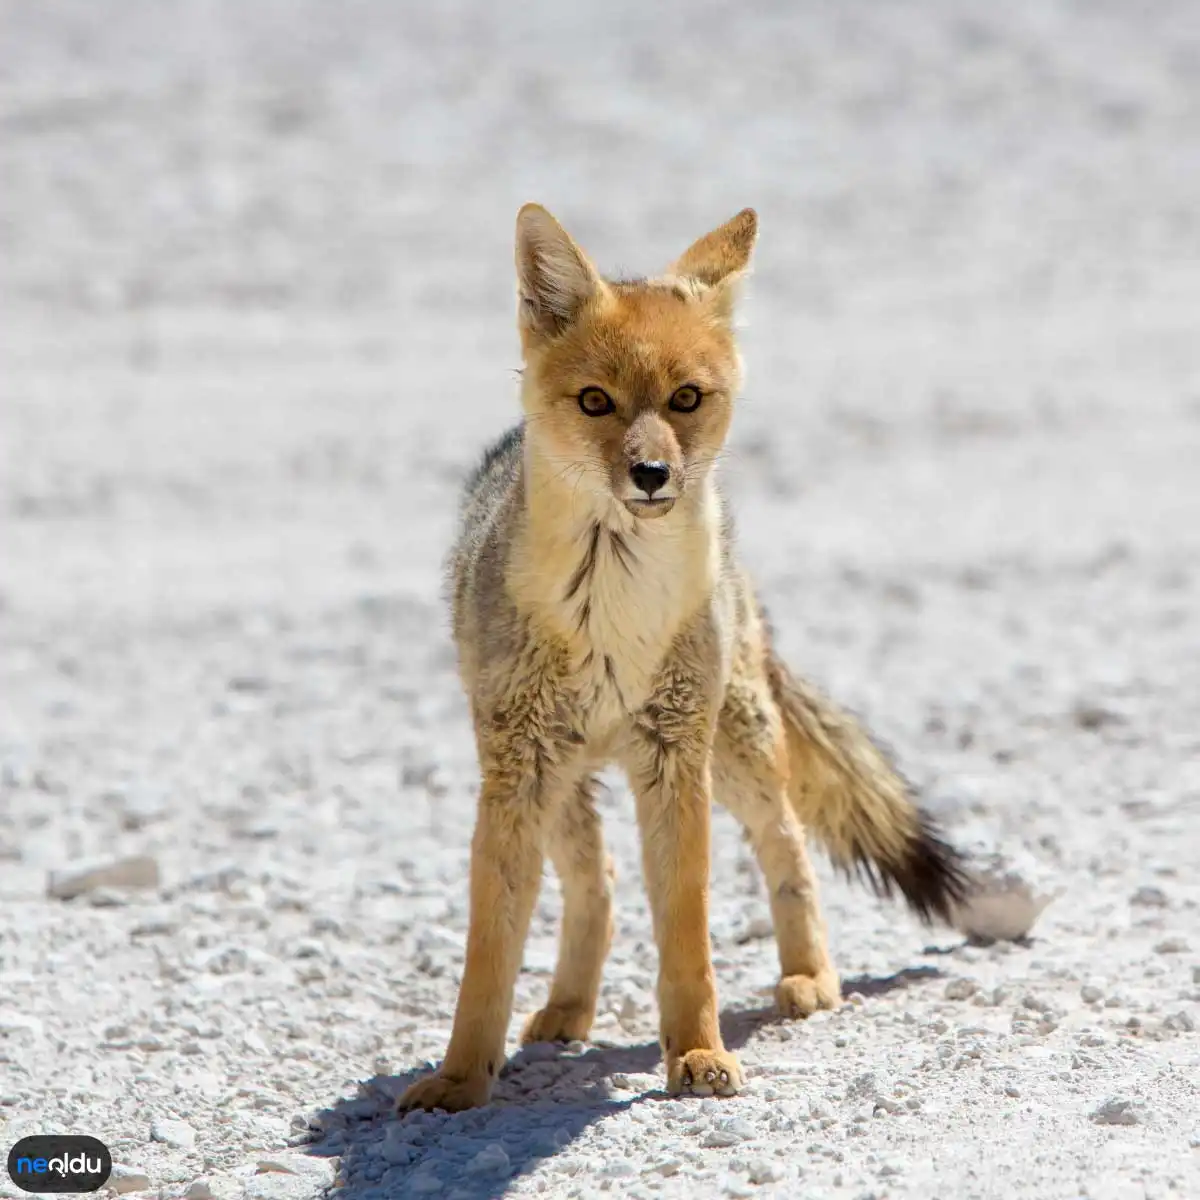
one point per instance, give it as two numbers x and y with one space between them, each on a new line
596 402
686 398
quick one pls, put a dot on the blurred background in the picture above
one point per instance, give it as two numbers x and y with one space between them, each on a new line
257 319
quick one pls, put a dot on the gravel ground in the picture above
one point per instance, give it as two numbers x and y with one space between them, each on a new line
256 320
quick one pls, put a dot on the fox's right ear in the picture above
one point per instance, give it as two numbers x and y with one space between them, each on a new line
721 254
555 279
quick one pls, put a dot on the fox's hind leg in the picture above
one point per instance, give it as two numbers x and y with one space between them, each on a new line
750 778
575 845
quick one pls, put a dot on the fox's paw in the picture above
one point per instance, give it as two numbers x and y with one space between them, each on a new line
440 1091
557 1023
802 995
703 1073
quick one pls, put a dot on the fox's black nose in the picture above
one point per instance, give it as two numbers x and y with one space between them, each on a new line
650 476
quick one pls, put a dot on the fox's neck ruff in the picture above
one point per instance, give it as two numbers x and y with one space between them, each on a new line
615 588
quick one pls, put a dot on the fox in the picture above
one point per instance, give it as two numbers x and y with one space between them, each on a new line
601 617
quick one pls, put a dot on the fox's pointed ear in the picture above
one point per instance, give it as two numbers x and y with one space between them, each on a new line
555 279
723 253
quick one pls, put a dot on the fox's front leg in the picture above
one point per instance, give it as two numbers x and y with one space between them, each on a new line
674 808
506 870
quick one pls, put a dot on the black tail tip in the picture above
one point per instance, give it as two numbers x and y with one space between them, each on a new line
931 874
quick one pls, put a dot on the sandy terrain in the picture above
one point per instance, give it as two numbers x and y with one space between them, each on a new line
256 320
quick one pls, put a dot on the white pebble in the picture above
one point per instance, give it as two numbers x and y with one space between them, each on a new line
1117 1110
763 1170
1172 945
178 1134
138 871
490 1158
128 1179
961 989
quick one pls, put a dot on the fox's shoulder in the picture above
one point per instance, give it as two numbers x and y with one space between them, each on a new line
499 465
490 498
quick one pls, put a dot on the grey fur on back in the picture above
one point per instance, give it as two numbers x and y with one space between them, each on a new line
489 497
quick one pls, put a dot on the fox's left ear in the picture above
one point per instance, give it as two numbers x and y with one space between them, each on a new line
721 257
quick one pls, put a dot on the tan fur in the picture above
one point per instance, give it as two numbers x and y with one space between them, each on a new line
598 621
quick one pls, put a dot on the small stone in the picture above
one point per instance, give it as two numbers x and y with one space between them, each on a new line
1092 716
490 1159
141 804
1149 897
177 1134
138 871
1180 1022
199 1189
155 924
1091 994
1117 1110
290 1177
398 1153
425 1183
758 929
728 1133
1172 945
763 1170
128 1179
961 989
19 1026
227 960
618 1168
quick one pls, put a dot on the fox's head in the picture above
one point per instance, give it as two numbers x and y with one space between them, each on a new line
628 387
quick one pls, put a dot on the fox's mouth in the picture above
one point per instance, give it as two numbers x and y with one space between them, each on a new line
649 508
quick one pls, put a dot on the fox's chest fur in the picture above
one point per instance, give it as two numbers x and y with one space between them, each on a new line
618 595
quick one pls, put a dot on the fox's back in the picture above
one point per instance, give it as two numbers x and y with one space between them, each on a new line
490 501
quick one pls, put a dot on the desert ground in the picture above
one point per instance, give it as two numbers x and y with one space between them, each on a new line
256 323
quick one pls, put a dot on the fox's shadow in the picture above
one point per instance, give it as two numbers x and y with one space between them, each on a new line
545 1098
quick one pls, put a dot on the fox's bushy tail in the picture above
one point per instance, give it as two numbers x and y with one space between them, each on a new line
854 801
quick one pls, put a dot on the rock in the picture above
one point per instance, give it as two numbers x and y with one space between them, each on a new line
728 1133
154 924
629 1009
618 1168
138 871
763 1170
1172 945
227 960
490 1159
398 1153
177 1134
1149 897
1117 1110
1092 716
128 1179
1089 993
1003 906
20 1027
322 1170
1179 1022
425 1183
290 1177
141 804
961 989
758 929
